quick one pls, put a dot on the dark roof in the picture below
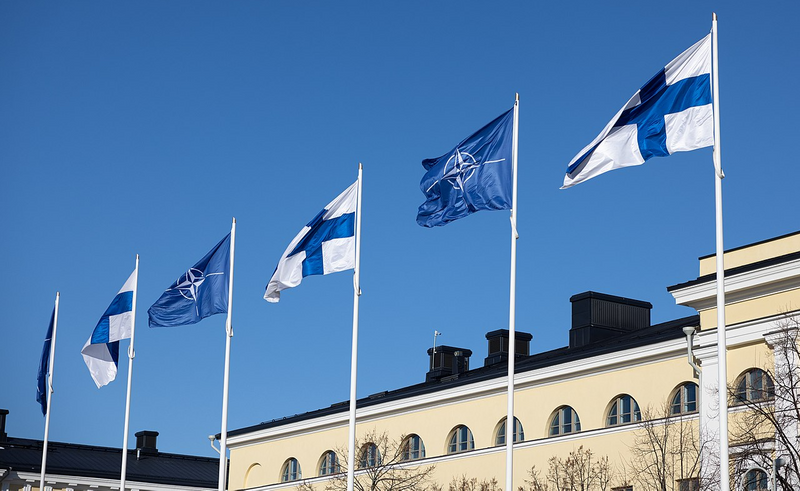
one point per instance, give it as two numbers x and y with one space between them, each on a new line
737 270
640 337
21 454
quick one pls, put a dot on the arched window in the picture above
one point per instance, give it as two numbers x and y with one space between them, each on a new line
684 399
755 480
329 463
623 410
519 434
370 456
754 385
460 440
291 471
564 420
413 448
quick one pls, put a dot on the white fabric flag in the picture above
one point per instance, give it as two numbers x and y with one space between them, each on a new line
670 113
326 245
101 351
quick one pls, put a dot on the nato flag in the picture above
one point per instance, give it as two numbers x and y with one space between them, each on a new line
198 293
476 175
44 367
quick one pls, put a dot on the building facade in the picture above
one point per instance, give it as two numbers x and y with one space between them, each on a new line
75 467
618 377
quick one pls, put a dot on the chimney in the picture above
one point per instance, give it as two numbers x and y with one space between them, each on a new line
3 434
146 443
498 346
447 361
597 316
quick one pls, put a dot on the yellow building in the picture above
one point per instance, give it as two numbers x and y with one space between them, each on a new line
618 376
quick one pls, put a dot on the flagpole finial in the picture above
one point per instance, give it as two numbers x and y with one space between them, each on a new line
234 219
517 97
713 16
360 167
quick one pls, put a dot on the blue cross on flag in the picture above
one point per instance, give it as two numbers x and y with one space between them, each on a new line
670 113
198 293
474 176
325 245
101 351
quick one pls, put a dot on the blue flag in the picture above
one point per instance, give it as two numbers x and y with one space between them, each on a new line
476 175
198 293
44 367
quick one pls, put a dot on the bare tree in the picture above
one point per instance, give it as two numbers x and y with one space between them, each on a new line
382 465
666 454
769 426
465 483
579 471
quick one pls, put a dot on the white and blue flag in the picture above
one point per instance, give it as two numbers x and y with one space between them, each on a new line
101 351
326 245
670 113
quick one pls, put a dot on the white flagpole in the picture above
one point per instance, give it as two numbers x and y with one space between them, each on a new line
351 445
131 355
223 440
49 391
512 337
722 342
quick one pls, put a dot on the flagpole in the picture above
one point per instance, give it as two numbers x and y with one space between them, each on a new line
223 457
49 392
512 337
722 341
351 445
131 355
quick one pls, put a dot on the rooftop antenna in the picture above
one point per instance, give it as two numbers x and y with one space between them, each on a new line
435 334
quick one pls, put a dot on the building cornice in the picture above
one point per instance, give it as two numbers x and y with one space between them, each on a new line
66 481
771 279
628 358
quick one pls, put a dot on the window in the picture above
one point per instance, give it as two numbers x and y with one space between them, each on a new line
413 448
291 471
623 488
623 410
691 484
519 434
684 400
755 480
565 420
460 440
754 385
370 456
329 463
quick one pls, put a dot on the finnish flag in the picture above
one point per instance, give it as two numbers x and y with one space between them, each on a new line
325 245
670 113
101 351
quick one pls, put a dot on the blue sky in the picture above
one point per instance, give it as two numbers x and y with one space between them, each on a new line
143 127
